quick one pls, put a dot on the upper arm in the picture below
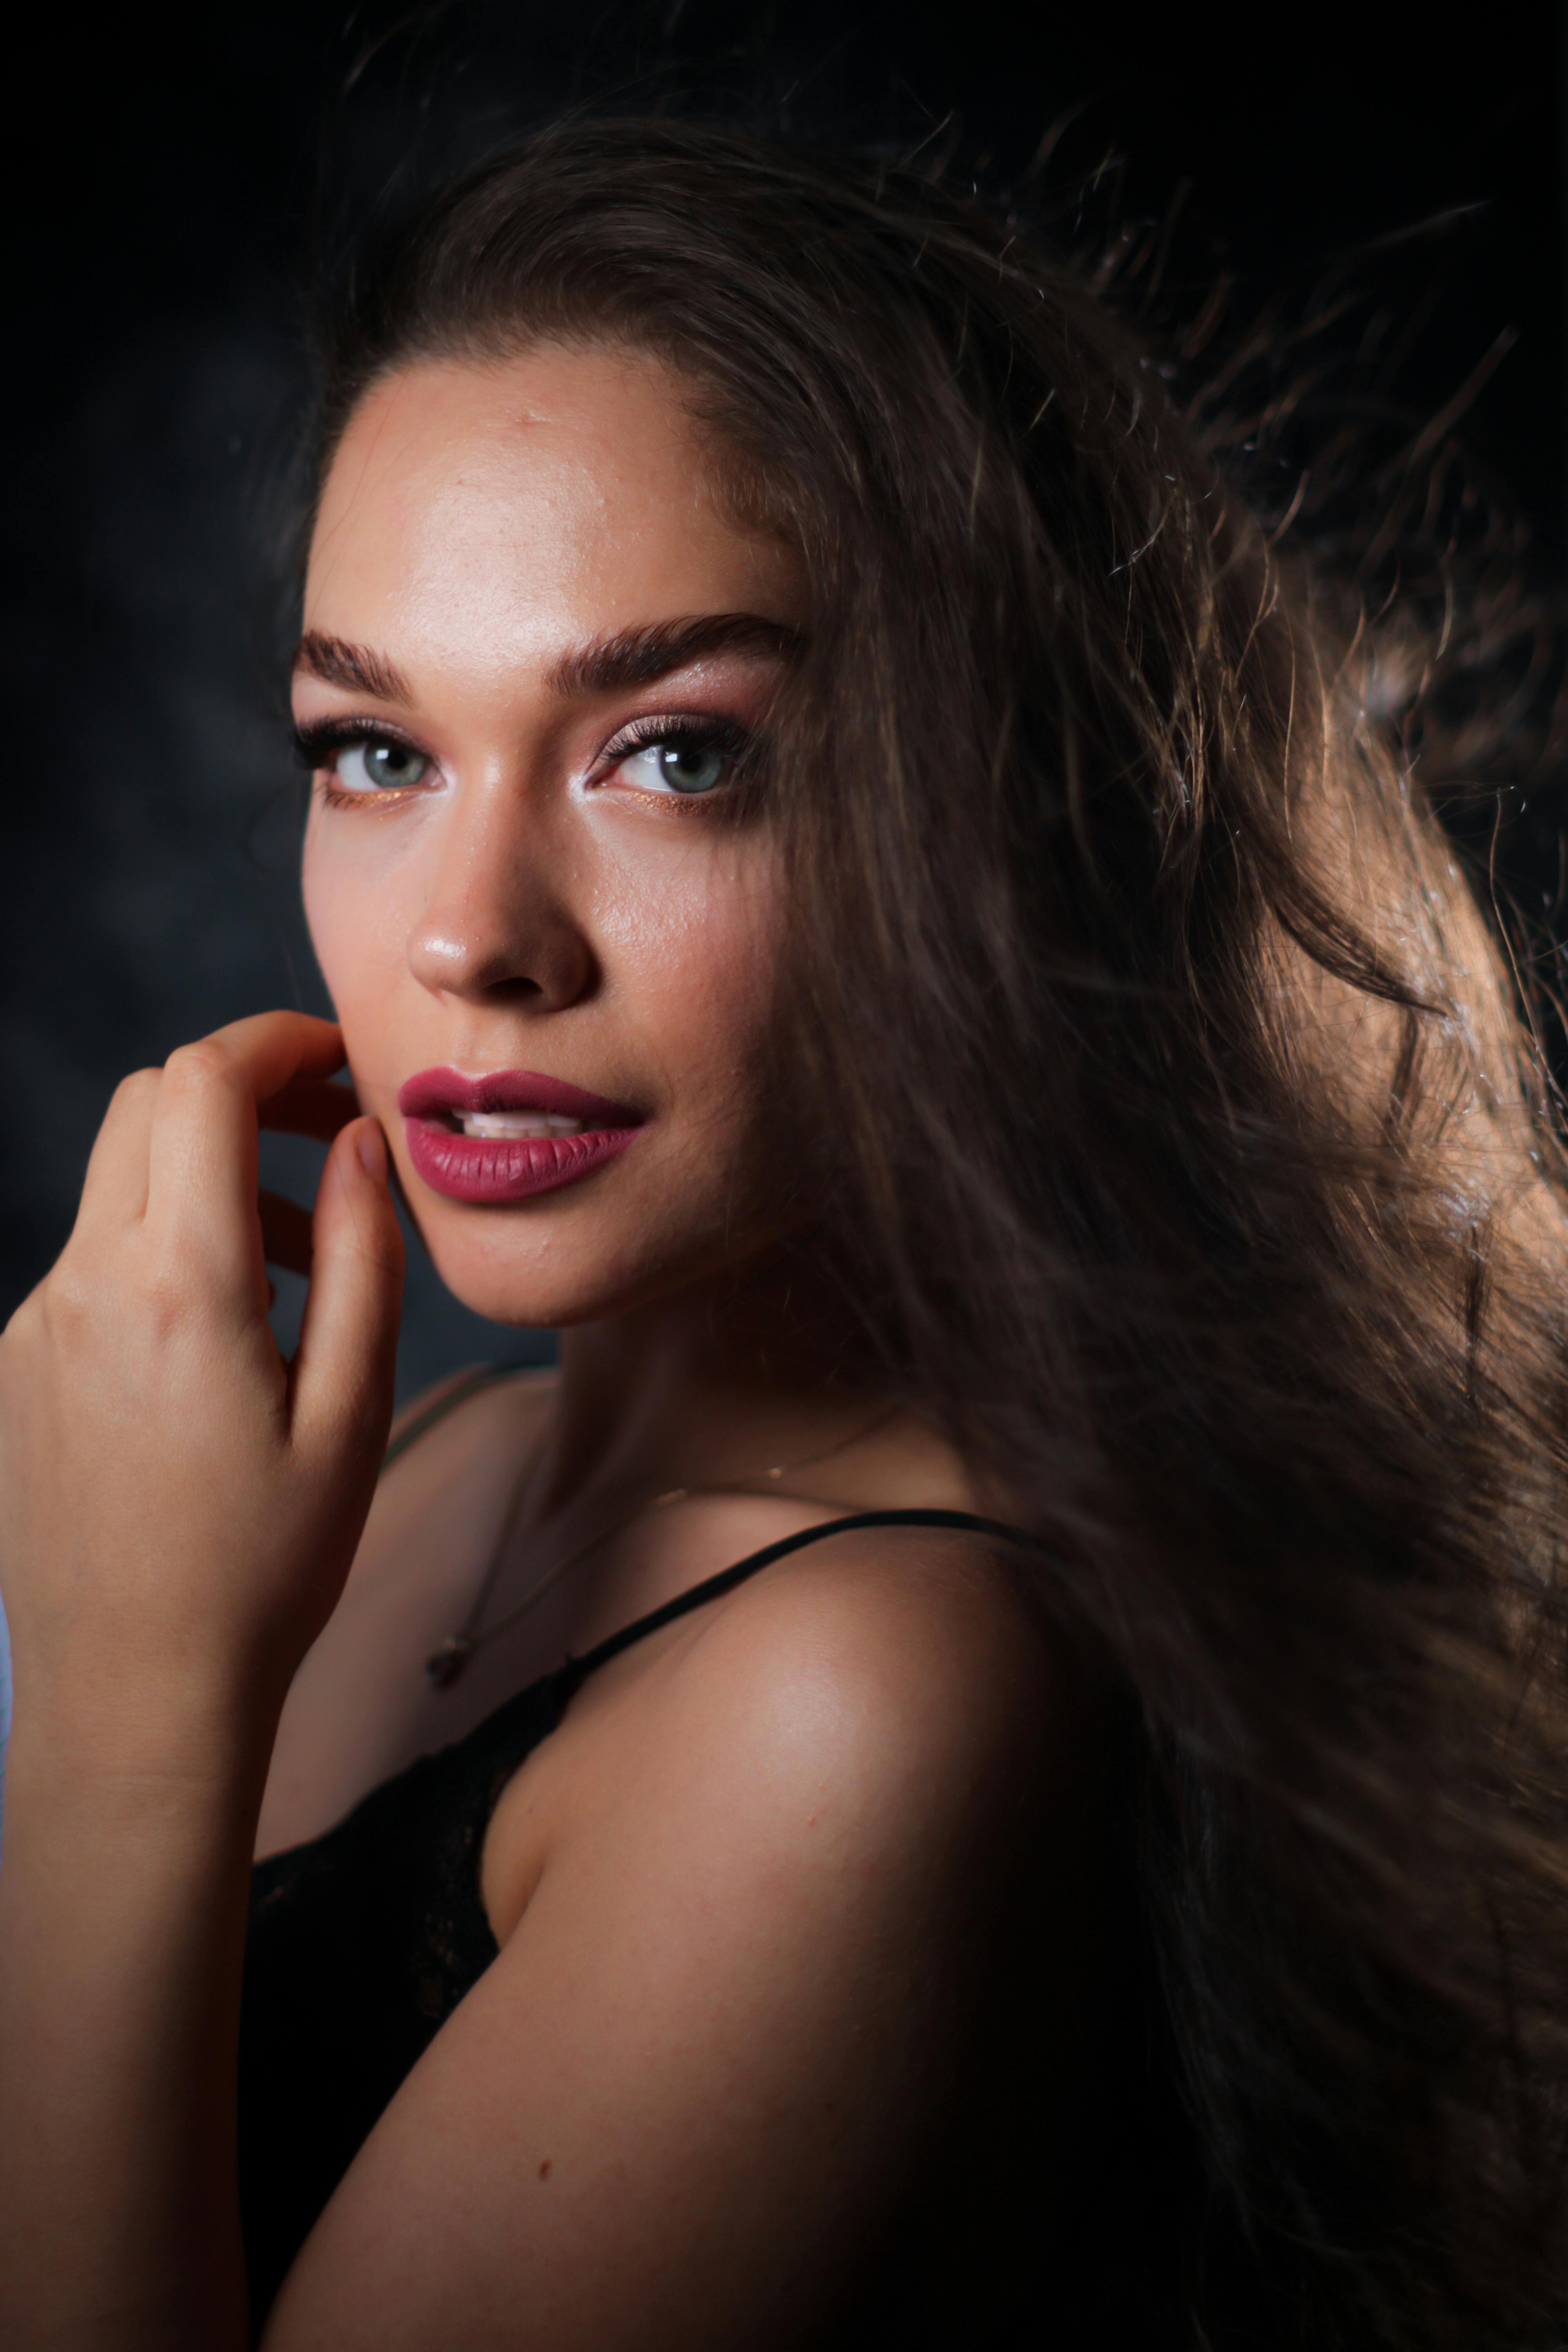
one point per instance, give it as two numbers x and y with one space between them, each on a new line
681 2101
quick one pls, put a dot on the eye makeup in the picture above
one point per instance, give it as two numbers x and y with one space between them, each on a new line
320 743
689 741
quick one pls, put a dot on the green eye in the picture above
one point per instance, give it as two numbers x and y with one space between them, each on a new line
380 765
691 767
683 764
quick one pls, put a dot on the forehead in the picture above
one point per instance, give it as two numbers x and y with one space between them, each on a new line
482 512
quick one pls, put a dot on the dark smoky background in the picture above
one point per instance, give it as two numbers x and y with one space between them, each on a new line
171 178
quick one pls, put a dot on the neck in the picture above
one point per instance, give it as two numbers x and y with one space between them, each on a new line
713 1386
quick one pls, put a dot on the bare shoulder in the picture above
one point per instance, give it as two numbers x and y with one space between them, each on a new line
900 1617
900 1685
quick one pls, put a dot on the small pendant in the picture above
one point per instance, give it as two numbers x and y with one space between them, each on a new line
443 1666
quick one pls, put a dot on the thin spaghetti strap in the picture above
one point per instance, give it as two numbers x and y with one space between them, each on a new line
467 1384
574 1671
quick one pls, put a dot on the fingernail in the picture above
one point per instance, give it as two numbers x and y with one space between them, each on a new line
371 1145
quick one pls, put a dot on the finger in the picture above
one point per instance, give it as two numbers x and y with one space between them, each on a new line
115 1189
308 1107
201 1193
285 1232
271 1048
342 1370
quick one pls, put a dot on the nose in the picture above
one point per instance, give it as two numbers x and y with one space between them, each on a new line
496 921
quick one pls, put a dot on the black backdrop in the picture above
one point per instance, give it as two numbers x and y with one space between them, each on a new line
167 177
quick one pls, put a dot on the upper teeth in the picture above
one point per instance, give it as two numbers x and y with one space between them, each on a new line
516 1123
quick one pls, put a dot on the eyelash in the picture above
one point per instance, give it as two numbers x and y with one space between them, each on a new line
317 742
687 735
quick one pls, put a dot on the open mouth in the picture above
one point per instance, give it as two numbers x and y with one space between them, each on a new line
508 1123
510 1134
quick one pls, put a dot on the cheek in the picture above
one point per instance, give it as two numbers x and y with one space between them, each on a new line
353 921
696 963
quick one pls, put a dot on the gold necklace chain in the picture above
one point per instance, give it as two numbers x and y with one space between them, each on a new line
450 1657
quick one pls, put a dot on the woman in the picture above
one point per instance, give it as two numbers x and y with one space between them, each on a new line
856 885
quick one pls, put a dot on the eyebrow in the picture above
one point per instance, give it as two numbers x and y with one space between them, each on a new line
632 658
336 662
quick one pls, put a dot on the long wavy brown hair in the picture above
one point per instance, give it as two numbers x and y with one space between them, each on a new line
1192 1164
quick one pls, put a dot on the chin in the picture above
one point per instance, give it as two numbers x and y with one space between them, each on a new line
538 1269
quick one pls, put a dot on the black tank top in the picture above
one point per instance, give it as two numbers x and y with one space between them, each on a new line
362 1942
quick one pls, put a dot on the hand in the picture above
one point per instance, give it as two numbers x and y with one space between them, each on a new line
179 1505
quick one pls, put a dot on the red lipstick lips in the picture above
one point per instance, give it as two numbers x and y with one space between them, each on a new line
534 1133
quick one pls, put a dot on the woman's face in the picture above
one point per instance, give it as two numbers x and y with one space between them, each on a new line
535 644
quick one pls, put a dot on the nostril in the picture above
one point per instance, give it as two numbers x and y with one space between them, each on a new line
502 954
